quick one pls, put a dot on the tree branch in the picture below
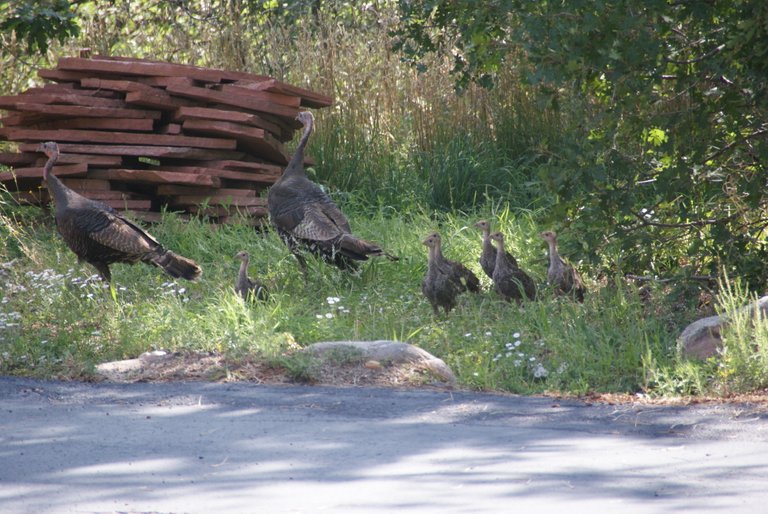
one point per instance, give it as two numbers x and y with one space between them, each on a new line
730 145
700 58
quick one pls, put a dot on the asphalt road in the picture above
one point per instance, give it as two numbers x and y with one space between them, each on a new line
212 448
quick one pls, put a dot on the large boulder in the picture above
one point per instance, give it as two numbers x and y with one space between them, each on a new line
389 352
702 338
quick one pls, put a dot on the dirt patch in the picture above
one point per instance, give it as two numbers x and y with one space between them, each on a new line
167 367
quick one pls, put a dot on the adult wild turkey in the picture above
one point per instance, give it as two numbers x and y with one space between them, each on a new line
562 275
510 281
100 236
244 285
439 286
306 218
488 254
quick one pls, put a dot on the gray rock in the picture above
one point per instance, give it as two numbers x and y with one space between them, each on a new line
386 351
702 338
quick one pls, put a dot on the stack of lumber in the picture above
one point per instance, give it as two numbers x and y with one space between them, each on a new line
143 135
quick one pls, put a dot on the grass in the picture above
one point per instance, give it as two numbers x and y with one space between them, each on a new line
57 319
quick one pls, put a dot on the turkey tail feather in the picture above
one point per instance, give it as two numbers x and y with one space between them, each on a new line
178 266
361 249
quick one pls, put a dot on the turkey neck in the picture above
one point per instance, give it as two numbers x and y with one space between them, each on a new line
296 165
554 257
438 251
431 257
59 191
487 243
243 276
500 253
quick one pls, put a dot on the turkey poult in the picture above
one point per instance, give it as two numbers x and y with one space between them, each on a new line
306 218
510 281
100 236
463 277
439 285
488 254
244 285
562 275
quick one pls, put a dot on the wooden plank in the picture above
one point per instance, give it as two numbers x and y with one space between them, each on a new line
129 124
129 138
72 69
122 86
61 76
241 101
74 158
204 113
259 141
288 126
59 171
138 68
73 88
120 205
248 176
47 88
308 98
163 82
89 112
105 194
181 70
168 190
156 99
9 102
155 177
258 167
158 152
87 184
16 159
171 128
217 199
244 89
22 119
90 159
